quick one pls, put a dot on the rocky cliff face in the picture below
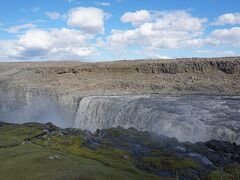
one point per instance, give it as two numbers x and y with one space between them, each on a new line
55 91
229 67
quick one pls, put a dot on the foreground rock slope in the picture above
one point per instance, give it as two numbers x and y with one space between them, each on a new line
44 151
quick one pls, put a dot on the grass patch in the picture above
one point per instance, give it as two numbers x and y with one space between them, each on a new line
32 162
231 172
105 155
171 163
15 134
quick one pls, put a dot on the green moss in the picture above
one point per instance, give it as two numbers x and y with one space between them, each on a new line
171 163
231 172
77 161
145 138
106 144
167 161
32 162
15 134
106 155
112 157
159 153
115 132
234 170
124 144
219 175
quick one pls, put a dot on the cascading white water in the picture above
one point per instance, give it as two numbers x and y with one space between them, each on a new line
188 118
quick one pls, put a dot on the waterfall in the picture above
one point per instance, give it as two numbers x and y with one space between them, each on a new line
188 118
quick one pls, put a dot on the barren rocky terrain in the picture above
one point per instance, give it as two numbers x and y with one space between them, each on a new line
185 76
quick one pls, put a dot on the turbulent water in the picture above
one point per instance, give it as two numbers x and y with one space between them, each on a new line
188 118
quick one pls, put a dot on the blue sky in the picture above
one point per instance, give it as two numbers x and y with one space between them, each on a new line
119 29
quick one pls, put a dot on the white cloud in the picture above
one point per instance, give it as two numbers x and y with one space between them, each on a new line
179 20
229 18
103 3
161 57
53 15
35 39
150 34
204 51
7 49
88 19
17 29
226 53
229 37
168 30
54 44
216 52
136 18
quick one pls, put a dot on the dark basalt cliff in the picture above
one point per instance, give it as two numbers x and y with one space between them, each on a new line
183 66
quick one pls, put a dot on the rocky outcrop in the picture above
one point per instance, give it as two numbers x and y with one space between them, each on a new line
229 67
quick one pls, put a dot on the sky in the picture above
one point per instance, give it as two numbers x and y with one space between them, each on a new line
103 30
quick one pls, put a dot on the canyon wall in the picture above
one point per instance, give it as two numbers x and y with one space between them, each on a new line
65 93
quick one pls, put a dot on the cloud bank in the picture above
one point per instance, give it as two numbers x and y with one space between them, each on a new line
146 33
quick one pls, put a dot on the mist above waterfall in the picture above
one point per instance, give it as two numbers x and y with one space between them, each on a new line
38 110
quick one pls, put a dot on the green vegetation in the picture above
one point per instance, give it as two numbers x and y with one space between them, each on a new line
166 161
219 175
34 151
234 170
32 162
171 163
227 173
14 134
106 155
75 161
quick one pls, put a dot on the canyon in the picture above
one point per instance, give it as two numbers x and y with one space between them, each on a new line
192 99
